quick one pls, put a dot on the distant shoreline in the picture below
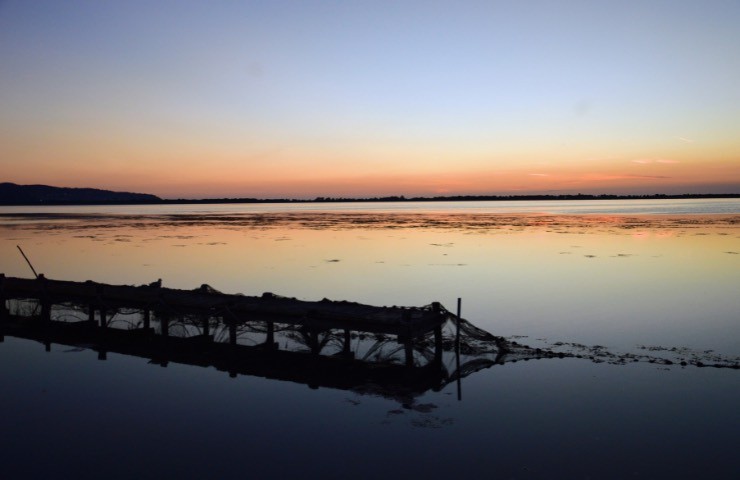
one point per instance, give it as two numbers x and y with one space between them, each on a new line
454 198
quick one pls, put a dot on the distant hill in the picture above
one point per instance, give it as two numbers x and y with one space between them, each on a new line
12 194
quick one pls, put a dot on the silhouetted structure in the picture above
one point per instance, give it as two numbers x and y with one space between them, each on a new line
397 352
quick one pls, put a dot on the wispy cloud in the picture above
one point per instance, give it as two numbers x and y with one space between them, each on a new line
647 161
684 139
609 177
539 174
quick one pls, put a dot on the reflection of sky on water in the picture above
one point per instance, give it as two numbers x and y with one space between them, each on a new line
589 280
619 281
537 419
555 207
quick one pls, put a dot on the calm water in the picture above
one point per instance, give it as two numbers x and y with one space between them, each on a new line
625 275
675 207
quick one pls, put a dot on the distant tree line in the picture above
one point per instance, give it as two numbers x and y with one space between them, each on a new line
12 194
480 198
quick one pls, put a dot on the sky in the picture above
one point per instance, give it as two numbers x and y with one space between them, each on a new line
298 99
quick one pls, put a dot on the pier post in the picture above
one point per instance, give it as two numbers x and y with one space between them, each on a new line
313 337
101 305
4 314
91 313
438 344
232 333
45 302
147 318
457 332
346 347
457 351
408 348
164 321
206 325
102 355
45 309
270 340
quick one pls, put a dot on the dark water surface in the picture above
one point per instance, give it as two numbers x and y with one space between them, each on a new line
70 415
660 278
67 414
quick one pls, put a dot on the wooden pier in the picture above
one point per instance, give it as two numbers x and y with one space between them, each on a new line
205 327
98 297
397 352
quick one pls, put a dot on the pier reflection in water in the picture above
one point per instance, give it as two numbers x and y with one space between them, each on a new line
133 421
398 353
652 286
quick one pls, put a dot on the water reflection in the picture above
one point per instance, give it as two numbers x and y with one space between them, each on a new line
399 353
664 287
617 280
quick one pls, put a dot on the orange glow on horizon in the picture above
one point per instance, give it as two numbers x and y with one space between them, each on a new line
176 165
199 181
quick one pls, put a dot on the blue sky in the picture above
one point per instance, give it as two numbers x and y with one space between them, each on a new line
339 98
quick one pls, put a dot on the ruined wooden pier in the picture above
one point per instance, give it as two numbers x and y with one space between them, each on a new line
157 308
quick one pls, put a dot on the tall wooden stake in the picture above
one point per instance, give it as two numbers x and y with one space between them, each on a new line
28 261
457 333
457 349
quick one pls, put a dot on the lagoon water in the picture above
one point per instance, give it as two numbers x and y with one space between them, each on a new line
631 276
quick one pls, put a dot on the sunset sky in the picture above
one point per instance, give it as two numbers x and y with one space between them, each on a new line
190 99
